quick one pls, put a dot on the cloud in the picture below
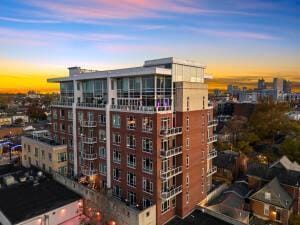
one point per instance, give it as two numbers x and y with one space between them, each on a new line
95 10
38 38
234 34
18 20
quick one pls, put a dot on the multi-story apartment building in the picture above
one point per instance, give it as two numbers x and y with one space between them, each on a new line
146 133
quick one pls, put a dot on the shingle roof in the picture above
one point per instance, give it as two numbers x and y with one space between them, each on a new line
278 196
225 160
287 164
288 177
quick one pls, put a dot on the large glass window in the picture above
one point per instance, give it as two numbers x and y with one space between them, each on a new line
116 120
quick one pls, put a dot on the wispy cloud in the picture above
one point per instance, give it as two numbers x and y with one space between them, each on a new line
234 34
19 20
35 37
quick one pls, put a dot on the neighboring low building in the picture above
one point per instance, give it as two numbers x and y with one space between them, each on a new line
10 131
24 118
31 198
5 121
230 165
272 202
287 173
41 151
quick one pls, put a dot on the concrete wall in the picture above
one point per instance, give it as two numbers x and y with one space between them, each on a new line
50 165
111 208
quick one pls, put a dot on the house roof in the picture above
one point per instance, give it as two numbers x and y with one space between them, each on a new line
288 177
284 162
278 196
226 159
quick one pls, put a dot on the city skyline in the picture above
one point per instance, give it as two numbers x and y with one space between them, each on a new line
238 42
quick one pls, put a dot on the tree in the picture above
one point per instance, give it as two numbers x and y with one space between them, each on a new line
294 220
291 148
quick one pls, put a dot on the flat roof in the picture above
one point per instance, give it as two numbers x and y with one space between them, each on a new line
197 218
22 201
173 60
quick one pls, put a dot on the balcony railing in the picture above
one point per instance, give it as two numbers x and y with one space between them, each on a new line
211 171
171 193
212 123
61 103
171 152
89 156
88 171
88 123
212 139
90 105
167 132
212 154
141 108
171 172
89 140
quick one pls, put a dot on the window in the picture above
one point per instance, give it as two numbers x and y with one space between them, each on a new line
116 119
147 145
117 174
147 165
147 185
62 170
90 116
36 152
62 114
187 180
267 196
117 191
132 198
62 157
147 203
165 206
187 198
43 154
116 156
102 152
102 119
187 161
131 123
54 114
187 103
131 141
116 138
80 116
187 143
147 125
131 161
102 168
187 123
102 135
50 157
131 179
70 115
266 209
70 129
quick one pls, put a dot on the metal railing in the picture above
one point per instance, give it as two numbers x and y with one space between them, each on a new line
171 152
141 108
61 103
88 171
170 172
212 139
90 105
89 140
171 131
212 154
211 171
87 123
212 123
171 193
88 156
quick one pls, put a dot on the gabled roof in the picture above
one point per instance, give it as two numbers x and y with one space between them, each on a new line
278 196
226 160
286 163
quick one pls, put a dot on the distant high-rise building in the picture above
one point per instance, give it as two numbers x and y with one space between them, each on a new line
287 86
261 84
278 87
230 88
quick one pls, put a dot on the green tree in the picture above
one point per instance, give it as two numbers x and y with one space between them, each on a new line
291 148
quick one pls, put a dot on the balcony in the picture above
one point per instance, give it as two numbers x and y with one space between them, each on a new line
88 123
168 132
90 105
211 171
212 139
89 140
212 154
87 171
212 123
61 103
141 108
171 152
171 172
171 193
89 156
